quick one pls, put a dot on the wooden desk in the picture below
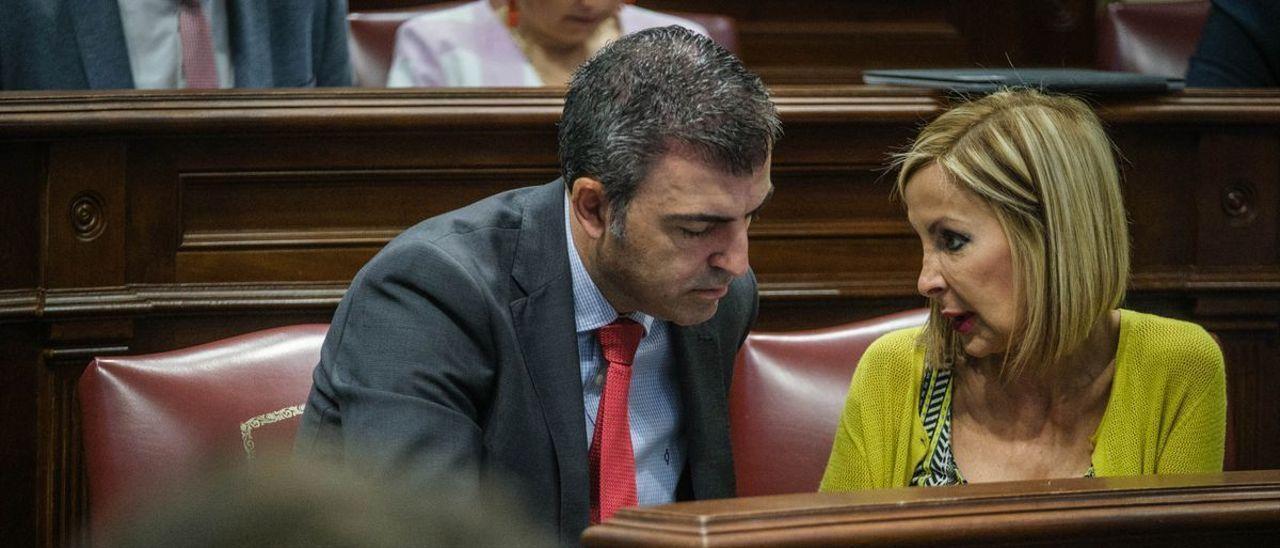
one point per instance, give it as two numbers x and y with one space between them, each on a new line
1229 509
138 222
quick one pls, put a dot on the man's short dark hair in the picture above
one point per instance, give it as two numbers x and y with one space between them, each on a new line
654 91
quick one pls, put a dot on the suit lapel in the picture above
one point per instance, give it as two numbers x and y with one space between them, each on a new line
544 325
249 32
706 410
100 38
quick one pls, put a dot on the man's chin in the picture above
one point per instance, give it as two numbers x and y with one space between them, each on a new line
694 313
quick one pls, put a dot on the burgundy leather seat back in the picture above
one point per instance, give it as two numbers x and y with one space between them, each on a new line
787 395
371 37
1156 38
153 418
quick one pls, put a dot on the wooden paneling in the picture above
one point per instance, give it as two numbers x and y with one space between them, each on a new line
20 214
284 223
86 189
21 482
1231 509
1235 229
222 213
1143 185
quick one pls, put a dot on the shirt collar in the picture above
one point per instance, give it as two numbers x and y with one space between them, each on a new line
591 310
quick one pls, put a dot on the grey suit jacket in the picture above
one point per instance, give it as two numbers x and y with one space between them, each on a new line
453 357
80 44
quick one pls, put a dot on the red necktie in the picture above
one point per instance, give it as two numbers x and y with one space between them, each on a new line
197 46
613 465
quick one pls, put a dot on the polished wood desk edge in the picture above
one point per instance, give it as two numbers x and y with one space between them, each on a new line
266 111
1230 499
144 299
141 299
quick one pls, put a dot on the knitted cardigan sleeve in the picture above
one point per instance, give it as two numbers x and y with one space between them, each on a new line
1168 408
879 438
1195 404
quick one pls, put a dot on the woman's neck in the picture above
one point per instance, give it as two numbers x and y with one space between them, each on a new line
554 60
531 40
1078 386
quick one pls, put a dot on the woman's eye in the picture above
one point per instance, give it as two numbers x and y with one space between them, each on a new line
952 241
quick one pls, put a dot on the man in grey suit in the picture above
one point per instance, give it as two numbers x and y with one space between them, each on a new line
87 44
467 350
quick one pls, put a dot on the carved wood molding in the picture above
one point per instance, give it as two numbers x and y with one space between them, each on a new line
20 303
31 114
139 300
146 299
1197 106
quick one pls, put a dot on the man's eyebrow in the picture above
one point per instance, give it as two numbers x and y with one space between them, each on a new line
709 218
697 218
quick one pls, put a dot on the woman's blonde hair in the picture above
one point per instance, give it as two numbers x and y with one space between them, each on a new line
1045 166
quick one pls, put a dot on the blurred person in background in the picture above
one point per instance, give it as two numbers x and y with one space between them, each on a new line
500 43
300 504
1239 47
157 44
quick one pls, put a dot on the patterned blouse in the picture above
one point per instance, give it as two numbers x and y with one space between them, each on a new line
938 467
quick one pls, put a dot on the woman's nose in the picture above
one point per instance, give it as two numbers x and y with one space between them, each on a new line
930 283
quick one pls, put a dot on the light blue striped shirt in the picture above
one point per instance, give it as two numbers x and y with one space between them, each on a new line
653 401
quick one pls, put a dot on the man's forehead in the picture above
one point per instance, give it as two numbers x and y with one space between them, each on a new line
723 196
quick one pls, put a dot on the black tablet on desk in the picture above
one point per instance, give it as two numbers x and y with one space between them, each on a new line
980 80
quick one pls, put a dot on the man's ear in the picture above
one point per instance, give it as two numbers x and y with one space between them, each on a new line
590 207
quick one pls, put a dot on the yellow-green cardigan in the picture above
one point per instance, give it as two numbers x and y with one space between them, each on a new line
1166 412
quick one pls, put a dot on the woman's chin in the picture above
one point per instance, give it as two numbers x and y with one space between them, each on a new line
980 349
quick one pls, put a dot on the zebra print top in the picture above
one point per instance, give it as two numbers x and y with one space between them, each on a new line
938 467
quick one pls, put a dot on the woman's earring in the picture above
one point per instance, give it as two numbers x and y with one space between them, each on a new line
513 14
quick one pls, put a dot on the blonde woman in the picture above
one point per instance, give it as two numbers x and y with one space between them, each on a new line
1026 368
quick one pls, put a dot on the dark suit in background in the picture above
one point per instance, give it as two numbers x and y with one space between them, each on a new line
1240 46
453 356
80 44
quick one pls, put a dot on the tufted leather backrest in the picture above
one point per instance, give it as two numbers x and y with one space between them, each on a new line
1150 38
371 37
153 418
787 395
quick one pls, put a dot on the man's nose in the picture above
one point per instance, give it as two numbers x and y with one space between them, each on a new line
733 258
